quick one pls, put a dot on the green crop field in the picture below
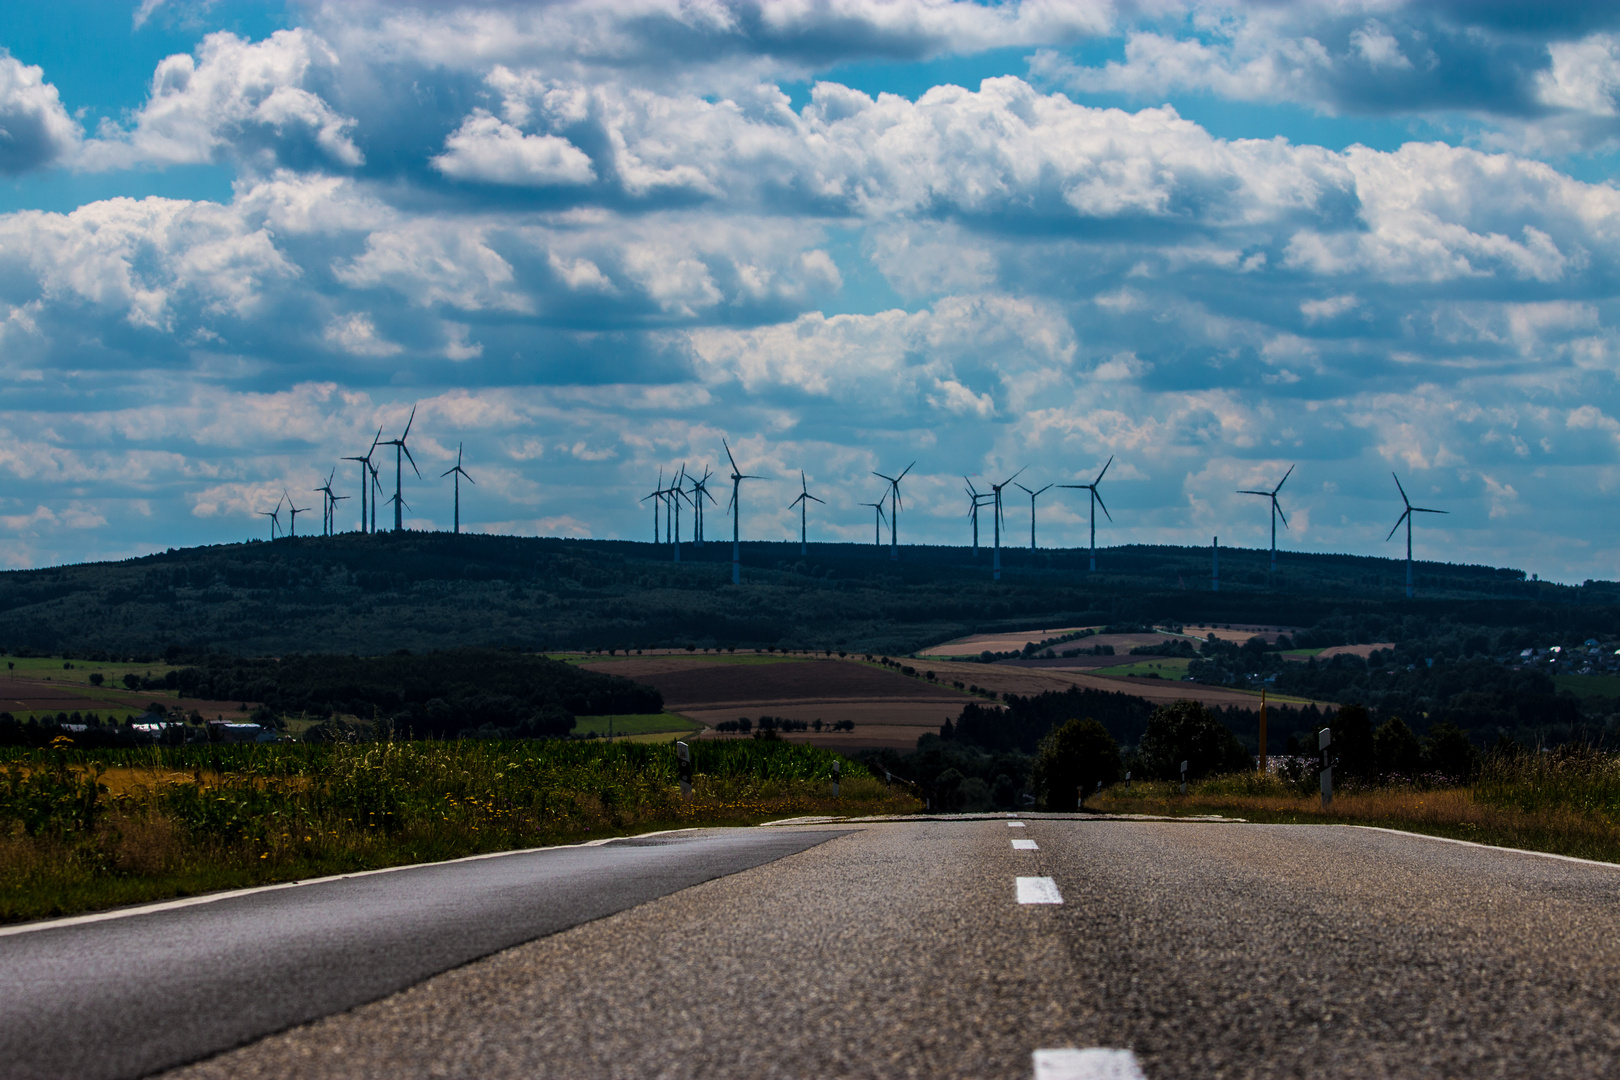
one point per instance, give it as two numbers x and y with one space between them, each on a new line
1170 667
641 724
1585 686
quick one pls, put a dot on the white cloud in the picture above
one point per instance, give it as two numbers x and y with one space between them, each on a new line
35 130
357 335
486 149
249 101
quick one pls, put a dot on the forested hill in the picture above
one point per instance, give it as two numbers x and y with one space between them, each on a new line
373 594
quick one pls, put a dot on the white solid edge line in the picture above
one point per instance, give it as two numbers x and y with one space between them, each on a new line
1038 890
1024 845
193 901
1092 1063
1487 847
1443 840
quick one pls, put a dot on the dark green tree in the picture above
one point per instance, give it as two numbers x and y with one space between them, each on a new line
1186 731
1071 761
1352 743
1447 752
1396 750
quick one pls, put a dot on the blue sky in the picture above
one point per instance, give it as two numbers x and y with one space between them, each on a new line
588 240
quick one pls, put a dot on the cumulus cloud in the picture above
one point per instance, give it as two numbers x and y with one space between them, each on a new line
35 130
257 103
487 149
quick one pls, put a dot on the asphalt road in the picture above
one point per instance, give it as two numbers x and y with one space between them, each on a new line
129 996
902 949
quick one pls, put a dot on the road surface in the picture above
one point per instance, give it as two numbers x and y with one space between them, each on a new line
904 950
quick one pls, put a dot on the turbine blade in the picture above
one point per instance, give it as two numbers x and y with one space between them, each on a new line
1397 524
406 433
1021 487
903 472
1042 489
1279 510
1102 504
1284 480
1104 470
1402 490
410 459
729 456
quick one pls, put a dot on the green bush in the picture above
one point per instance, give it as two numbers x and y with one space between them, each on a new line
1072 761
1186 731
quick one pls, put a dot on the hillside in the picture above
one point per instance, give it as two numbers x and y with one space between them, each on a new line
373 594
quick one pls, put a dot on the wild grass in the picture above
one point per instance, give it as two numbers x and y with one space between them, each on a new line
1565 803
81 830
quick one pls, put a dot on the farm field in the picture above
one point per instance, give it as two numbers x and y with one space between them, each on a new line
1240 633
1169 667
887 708
1584 686
641 724
42 697
1019 678
1006 641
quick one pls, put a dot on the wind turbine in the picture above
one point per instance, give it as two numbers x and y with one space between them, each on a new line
1032 495
1406 516
675 497
376 491
459 474
699 492
877 523
1276 511
329 503
737 478
995 570
401 449
1096 501
365 479
803 503
294 511
976 499
657 498
274 516
894 509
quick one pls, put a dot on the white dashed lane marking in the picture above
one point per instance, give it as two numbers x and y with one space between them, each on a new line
1015 824
1024 845
1093 1063
1038 890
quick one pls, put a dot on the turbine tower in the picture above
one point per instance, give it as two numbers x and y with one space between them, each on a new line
676 494
737 478
294 511
459 473
329 501
894 510
976 499
400 449
877 523
365 480
698 492
1096 501
1032 495
995 489
803 503
1276 511
1406 516
657 498
274 516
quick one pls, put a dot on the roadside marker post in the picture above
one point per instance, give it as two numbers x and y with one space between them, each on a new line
1264 770
837 769
683 765
1127 781
1324 739
1184 778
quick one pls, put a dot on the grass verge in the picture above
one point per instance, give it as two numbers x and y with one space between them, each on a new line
1508 806
87 830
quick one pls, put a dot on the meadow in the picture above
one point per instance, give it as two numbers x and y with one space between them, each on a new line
1566 803
83 830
